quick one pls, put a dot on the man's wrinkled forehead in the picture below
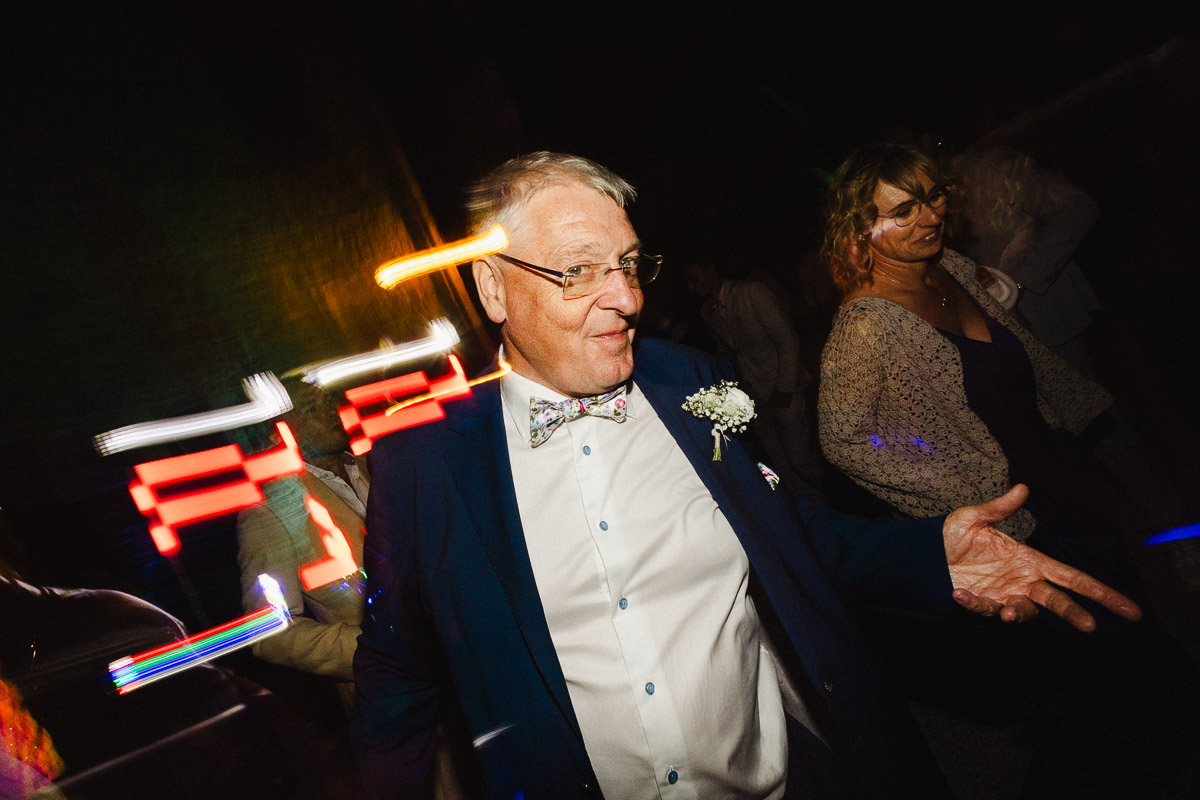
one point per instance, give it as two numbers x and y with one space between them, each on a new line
562 221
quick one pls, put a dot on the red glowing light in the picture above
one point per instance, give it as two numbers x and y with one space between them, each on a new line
364 430
340 561
155 479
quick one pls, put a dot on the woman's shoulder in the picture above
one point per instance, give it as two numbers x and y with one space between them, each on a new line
958 265
867 315
862 326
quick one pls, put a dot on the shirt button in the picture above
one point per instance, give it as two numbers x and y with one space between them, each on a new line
603 525
587 451
649 688
828 686
672 777
623 603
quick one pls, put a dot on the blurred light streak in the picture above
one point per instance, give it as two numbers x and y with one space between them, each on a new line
134 672
433 259
268 399
68 783
1174 535
165 515
364 430
340 561
442 337
505 368
272 592
486 737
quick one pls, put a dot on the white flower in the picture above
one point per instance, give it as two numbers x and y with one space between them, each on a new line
729 408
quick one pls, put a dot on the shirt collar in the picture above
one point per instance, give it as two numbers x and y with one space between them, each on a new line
515 391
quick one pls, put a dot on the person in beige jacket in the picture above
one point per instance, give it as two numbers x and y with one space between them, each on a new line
280 537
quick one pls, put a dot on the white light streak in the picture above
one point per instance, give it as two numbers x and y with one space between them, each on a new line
442 337
268 399
274 594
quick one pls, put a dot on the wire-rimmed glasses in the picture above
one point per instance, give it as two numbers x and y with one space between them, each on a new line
909 211
581 280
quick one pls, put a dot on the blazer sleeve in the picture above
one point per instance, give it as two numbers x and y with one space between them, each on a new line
266 545
892 563
396 666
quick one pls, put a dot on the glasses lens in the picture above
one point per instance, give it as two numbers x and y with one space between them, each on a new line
587 279
647 270
908 214
583 279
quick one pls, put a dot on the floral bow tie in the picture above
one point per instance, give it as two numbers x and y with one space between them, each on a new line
546 415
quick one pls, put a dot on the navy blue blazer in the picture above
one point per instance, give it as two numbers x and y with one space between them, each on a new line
455 620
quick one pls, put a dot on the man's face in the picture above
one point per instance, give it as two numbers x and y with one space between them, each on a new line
315 422
577 347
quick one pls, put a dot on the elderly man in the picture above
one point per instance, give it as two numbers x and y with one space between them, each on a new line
605 608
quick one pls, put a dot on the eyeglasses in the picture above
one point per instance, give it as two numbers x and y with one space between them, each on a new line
584 279
908 212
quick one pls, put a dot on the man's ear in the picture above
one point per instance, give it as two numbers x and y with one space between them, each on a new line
490 285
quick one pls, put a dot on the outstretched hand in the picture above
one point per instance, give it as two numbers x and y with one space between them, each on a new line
995 575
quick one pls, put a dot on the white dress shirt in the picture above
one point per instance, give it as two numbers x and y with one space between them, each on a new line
354 494
644 585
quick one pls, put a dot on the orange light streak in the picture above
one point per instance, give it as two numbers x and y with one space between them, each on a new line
505 368
435 258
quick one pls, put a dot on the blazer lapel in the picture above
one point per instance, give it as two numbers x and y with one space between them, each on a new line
735 482
666 388
478 460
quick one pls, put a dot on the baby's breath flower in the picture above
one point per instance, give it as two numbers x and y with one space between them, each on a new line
729 408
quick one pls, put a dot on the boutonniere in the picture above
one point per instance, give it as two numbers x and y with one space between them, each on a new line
727 406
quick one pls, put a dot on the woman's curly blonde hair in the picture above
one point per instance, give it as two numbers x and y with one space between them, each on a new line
850 203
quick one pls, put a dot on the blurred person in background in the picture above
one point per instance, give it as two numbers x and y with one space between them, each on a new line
1028 223
752 331
279 536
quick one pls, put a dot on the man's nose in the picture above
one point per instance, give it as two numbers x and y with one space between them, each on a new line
618 294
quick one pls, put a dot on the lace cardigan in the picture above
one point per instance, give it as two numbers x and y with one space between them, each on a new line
893 413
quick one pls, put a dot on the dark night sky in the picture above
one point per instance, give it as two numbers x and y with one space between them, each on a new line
725 117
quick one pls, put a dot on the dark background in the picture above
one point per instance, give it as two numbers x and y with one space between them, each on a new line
198 192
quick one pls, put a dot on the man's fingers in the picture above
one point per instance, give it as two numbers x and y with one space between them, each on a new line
1018 608
1102 593
975 604
1058 602
1005 505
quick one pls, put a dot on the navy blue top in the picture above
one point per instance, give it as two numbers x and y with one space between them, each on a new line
999 384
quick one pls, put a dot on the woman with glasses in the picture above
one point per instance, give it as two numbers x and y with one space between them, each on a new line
932 394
